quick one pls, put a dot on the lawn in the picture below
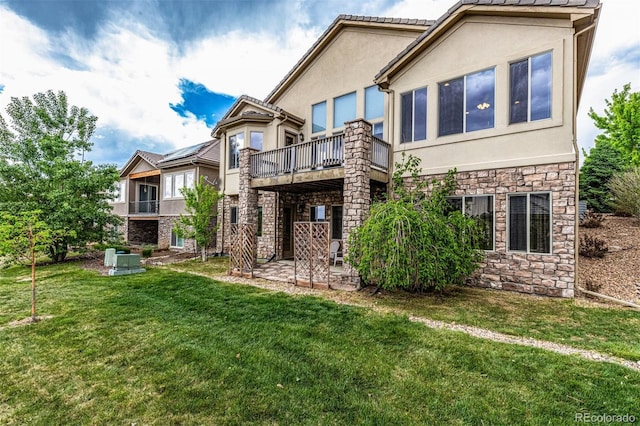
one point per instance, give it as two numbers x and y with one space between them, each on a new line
170 348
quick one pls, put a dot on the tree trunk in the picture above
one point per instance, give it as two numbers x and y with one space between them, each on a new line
203 253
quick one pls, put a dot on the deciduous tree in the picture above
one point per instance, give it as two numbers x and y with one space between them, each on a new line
42 167
201 205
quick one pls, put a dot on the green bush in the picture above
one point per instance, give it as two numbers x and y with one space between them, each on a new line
625 190
412 241
147 251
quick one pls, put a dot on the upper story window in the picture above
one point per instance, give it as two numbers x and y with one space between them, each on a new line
174 182
119 192
467 103
319 117
414 115
317 214
529 222
255 140
344 109
530 89
374 109
235 143
479 207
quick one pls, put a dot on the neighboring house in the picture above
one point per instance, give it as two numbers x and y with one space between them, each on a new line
491 88
149 198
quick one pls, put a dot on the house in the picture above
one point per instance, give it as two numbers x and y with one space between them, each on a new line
491 88
149 198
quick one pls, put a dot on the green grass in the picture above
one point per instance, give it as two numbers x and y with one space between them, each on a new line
170 348
613 330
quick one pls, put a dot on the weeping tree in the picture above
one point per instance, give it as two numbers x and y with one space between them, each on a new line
42 166
415 240
201 205
22 237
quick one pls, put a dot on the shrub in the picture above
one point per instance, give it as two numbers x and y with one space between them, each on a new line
412 241
592 220
593 247
625 190
147 251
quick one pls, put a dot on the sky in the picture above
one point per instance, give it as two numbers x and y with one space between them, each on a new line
159 74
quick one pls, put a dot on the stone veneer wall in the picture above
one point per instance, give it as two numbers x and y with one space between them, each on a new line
142 231
266 242
544 274
165 225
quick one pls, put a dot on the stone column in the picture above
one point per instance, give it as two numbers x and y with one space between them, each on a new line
247 197
357 186
223 229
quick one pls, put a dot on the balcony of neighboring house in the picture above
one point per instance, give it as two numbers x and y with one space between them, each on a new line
145 195
315 163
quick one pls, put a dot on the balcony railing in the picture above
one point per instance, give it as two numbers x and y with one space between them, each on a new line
313 155
144 207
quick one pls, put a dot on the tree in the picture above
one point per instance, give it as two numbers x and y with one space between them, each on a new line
600 165
42 167
413 240
201 205
625 191
621 124
22 237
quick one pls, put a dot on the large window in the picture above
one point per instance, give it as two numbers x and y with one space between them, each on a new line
235 143
174 182
529 222
336 222
467 103
317 214
344 109
414 116
319 117
256 139
374 109
176 241
530 89
479 207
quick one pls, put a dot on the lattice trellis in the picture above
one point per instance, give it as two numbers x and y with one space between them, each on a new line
242 250
311 253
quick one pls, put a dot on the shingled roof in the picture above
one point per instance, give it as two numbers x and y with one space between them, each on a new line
529 3
346 19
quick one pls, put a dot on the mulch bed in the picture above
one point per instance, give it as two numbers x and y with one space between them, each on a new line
617 274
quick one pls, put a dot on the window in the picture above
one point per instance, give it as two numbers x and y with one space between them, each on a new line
529 222
233 219
374 109
479 207
467 104
259 227
319 117
174 182
414 116
255 140
317 214
235 143
530 89
344 109
176 241
336 222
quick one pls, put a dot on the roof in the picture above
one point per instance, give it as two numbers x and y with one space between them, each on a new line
204 152
150 157
413 48
230 116
333 29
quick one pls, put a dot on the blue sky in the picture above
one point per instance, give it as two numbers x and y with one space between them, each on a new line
160 73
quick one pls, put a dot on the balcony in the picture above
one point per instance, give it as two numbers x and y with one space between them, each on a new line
144 208
314 161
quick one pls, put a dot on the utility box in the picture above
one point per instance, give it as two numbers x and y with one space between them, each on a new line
109 256
125 264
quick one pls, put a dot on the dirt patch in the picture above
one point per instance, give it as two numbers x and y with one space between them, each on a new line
618 273
27 321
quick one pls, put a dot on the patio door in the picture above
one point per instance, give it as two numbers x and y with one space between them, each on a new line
288 217
147 198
